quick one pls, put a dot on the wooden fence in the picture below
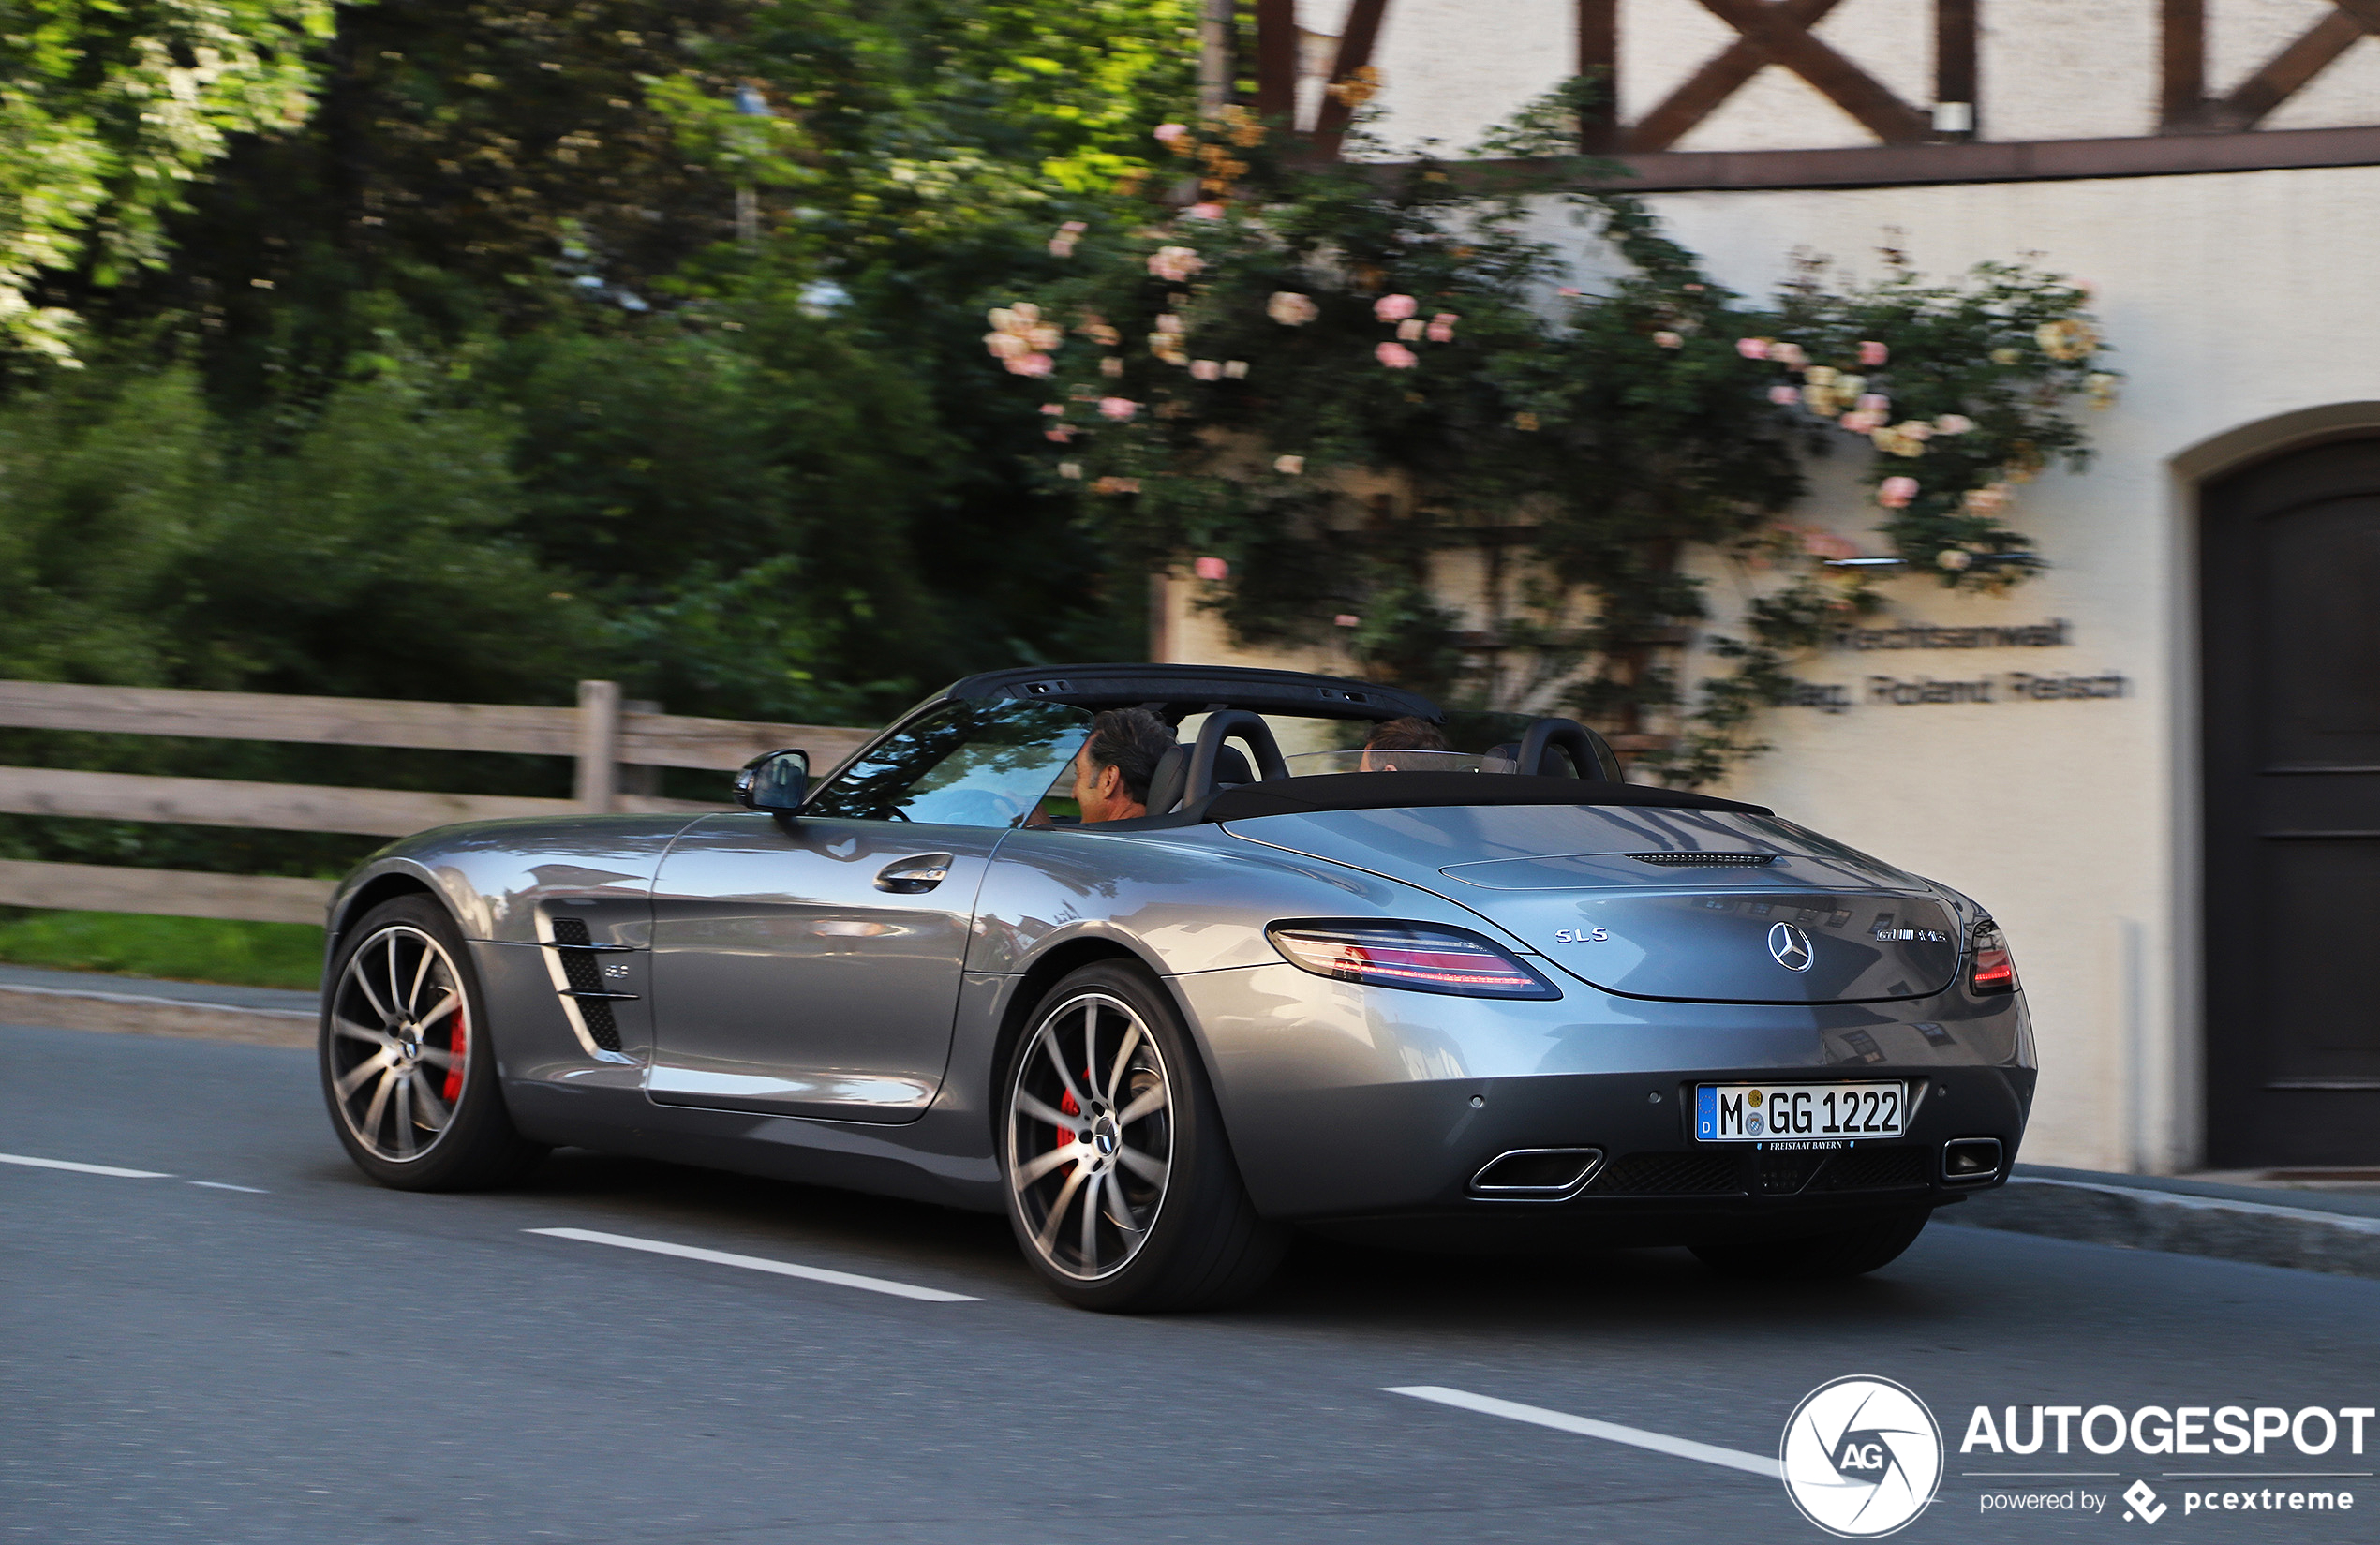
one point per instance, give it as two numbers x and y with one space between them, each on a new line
602 735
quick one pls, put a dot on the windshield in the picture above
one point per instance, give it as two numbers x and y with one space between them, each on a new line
964 764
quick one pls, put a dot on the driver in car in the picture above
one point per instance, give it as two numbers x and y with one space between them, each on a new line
1114 767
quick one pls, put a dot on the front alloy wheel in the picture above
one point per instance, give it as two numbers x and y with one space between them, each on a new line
407 1067
399 1053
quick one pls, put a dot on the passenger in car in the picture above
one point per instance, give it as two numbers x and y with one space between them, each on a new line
1113 769
1400 734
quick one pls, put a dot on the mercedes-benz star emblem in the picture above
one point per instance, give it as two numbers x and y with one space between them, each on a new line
1790 947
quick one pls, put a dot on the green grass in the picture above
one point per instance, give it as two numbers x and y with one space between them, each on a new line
188 949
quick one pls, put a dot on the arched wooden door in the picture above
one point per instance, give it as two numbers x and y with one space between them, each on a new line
2291 591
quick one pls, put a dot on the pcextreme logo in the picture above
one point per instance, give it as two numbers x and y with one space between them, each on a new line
1862 1457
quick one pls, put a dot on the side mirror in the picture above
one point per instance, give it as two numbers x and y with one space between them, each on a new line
774 782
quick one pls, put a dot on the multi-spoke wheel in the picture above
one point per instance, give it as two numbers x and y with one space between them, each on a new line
1090 1135
405 1065
1121 1183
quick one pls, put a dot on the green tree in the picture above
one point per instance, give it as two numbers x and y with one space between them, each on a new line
107 112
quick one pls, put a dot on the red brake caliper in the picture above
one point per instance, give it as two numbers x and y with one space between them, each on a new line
460 1050
1067 1105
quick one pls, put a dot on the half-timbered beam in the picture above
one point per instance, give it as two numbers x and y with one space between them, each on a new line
1355 53
1955 68
2183 90
1844 83
1701 93
2287 72
1598 61
1277 62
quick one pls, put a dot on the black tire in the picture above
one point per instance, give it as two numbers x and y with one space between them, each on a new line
386 1052
1877 1239
1206 1246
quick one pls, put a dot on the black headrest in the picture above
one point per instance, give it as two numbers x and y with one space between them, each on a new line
1173 772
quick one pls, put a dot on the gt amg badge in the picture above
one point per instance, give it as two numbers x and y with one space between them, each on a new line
1790 947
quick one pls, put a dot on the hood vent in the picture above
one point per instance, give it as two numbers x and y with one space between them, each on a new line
1707 860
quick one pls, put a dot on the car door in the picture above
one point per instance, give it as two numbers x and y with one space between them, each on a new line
809 965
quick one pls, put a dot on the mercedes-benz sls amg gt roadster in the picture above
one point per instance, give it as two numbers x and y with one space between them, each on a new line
1499 995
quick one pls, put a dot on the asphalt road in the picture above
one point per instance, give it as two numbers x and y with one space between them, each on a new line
257 1345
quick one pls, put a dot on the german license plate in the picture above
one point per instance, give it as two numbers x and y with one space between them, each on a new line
1753 1113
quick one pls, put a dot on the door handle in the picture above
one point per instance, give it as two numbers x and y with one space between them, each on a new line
913 876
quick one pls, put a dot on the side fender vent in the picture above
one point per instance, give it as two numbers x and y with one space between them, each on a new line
586 977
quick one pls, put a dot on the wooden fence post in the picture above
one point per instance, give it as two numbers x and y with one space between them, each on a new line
597 786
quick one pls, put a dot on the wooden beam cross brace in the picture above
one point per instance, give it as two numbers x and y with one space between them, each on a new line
1776 32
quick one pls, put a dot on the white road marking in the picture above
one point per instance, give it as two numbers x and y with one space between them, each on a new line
754 1263
225 1185
1562 1421
85 1168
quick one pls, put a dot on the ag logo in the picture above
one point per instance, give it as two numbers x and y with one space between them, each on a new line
1861 1457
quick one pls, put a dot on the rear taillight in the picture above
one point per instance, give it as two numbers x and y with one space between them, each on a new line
1419 956
1990 967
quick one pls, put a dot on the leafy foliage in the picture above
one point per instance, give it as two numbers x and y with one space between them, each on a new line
1336 383
107 111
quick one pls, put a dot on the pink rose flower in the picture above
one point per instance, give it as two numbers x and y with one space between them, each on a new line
1117 408
1206 370
1055 410
1441 329
1784 396
1175 264
1030 364
1873 353
1346 619
1953 424
1896 492
1394 308
1859 423
1236 369
1209 210
1568 294
1292 466
1668 339
1062 247
1874 402
1169 133
1752 349
1060 435
1790 355
1211 567
1291 309
1396 356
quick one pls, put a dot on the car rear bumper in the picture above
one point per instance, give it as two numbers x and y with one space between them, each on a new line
1345 1102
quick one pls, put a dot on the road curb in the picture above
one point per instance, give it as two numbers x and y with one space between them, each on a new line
139 1014
2136 1215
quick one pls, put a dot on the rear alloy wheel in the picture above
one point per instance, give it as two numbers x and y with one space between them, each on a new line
1122 1187
1871 1240
407 1067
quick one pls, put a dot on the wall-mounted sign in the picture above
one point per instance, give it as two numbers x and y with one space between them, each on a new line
1835 697
1926 635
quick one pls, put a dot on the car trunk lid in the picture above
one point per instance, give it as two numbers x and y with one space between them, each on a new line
1699 905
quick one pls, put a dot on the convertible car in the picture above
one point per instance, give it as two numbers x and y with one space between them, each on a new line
1501 995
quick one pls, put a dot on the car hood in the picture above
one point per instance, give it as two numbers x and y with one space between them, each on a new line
1698 905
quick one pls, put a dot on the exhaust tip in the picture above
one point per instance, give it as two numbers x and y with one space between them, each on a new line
1970 1159
1535 1174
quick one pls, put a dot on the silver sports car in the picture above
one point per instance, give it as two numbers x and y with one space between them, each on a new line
1497 996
